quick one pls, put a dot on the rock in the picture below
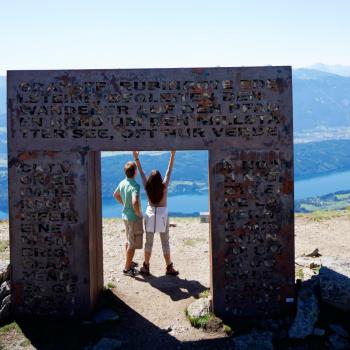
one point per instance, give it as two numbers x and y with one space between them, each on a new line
199 308
319 332
338 329
337 342
254 340
5 290
5 309
314 254
335 282
107 344
307 314
167 330
214 324
105 315
4 271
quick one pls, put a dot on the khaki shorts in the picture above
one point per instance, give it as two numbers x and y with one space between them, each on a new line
134 233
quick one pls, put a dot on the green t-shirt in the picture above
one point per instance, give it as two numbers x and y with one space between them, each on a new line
127 189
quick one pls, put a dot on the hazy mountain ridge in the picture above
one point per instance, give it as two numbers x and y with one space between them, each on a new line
332 68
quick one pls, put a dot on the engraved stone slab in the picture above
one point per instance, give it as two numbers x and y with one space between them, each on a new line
50 234
253 245
59 121
150 108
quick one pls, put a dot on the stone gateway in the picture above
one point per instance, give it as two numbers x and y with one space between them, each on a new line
60 121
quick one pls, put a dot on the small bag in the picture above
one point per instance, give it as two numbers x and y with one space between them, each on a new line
138 226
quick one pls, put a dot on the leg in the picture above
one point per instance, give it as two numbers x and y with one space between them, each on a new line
129 246
129 256
148 246
164 237
148 252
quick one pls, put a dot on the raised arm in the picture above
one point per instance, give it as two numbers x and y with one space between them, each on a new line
139 167
170 168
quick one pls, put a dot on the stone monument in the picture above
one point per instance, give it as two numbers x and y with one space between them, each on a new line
60 121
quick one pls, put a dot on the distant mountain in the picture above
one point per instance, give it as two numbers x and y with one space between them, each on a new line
320 100
320 158
2 94
335 69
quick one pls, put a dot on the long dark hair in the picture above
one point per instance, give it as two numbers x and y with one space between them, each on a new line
155 187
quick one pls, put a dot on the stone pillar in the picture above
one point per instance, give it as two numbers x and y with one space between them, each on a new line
55 232
252 232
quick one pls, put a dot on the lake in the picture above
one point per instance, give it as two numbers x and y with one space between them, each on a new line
184 204
189 204
318 186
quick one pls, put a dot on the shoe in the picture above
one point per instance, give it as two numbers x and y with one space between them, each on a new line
132 272
145 269
134 264
171 271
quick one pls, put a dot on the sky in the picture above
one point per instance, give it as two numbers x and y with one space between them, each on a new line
85 34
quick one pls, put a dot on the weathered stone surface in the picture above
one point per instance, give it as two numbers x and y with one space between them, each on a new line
108 344
199 308
335 282
319 332
61 120
214 324
338 329
5 309
4 271
307 314
254 341
105 315
337 342
5 290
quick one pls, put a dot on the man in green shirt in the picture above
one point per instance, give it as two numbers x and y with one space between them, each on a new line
128 194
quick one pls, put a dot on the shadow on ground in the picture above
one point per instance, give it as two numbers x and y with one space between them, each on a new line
133 330
175 287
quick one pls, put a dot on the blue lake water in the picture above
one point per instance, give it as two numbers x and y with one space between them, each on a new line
188 204
185 204
318 186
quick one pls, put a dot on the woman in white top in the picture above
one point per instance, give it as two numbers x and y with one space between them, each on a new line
156 215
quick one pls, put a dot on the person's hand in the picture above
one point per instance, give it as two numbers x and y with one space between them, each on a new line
136 154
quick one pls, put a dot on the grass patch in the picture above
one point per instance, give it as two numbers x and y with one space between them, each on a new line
4 244
300 273
11 335
228 330
184 219
204 294
200 322
25 343
10 327
321 215
191 242
110 285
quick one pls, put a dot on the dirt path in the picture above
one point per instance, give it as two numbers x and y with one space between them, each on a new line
162 299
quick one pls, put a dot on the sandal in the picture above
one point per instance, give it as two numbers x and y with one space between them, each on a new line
171 271
134 264
132 272
145 269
